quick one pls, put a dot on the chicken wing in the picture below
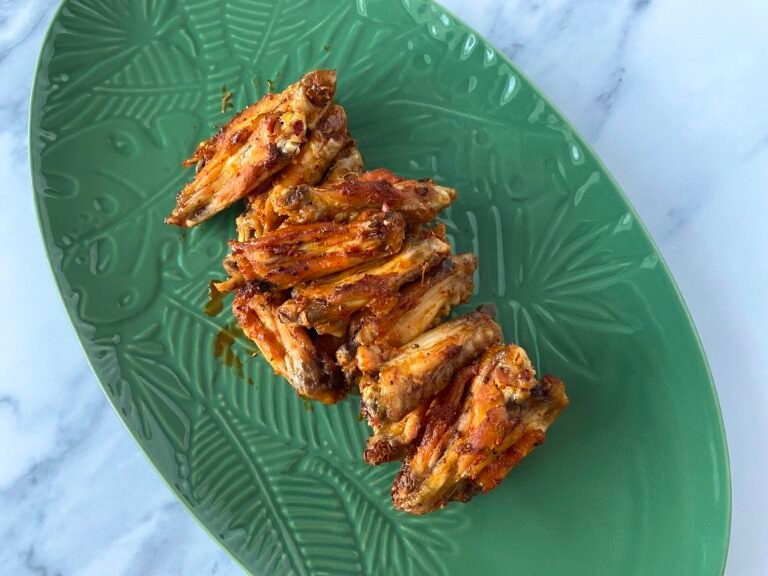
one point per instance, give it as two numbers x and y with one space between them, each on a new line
418 201
490 417
289 256
256 144
424 366
347 165
339 296
288 348
324 144
419 306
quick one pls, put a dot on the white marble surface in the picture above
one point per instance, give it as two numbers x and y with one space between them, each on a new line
672 94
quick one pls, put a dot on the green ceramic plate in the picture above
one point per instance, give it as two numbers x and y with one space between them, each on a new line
633 478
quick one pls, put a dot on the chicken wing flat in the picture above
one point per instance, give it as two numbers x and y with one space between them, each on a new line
490 417
288 348
289 256
418 201
339 296
419 307
347 165
256 144
423 367
324 144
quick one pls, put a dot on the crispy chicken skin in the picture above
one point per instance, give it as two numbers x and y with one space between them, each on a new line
347 165
423 367
289 256
324 144
288 348
338 297
418 201
256 144
490 417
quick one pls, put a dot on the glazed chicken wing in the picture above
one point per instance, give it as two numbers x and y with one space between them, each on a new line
324 144
417 308
339 296
424 366
257 143
418 201
288 348
289 256
490 417
347 165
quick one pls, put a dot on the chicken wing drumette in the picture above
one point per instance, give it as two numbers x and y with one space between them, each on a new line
480 427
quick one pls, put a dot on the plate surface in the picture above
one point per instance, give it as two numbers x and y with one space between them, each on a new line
633 478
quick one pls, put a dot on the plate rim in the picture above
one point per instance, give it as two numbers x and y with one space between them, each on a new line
33 116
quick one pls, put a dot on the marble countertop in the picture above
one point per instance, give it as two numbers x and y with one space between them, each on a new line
670 94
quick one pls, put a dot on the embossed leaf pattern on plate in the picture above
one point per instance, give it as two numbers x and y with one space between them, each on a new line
124 92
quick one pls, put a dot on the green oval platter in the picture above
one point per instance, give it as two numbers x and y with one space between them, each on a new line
633 479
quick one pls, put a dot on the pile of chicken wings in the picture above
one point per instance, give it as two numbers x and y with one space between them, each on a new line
345 283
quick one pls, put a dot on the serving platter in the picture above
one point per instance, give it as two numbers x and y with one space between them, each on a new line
633 478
